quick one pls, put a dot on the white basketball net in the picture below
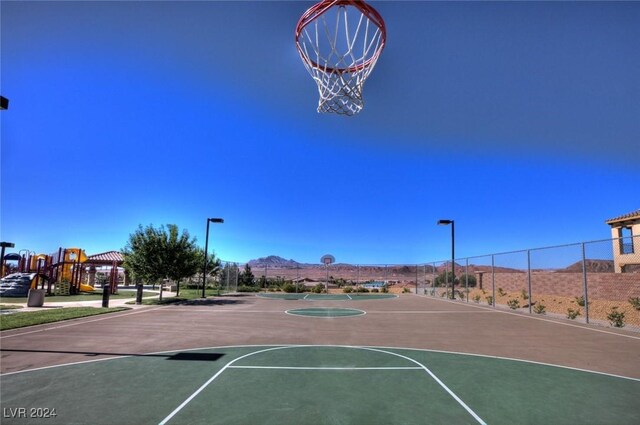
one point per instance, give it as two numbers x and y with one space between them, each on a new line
340 47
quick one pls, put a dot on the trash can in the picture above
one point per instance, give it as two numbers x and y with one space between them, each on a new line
35 298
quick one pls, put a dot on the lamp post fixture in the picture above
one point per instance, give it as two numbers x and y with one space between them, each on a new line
206 247
453 252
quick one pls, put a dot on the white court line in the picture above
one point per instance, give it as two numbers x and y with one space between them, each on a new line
230 365
289 312
429 312
206 384
487 356
79 321
325 368
305 297
435 378
349 296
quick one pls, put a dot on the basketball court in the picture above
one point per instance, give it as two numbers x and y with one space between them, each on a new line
247 359
276 358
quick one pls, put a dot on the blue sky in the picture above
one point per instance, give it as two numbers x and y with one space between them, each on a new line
517 120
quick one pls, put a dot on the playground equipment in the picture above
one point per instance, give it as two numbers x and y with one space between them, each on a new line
64 272
68 268
18 284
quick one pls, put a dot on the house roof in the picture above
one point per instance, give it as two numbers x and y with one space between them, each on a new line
634 215
108 257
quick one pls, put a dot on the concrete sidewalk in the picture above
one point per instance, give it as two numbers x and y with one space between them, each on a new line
115 302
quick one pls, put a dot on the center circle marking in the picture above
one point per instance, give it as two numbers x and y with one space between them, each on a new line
326 312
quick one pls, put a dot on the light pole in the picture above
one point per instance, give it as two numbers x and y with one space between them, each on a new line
206 247
453 252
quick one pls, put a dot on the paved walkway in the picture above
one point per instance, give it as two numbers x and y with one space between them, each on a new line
114 302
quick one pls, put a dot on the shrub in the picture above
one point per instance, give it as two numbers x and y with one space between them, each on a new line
384 289
318 289
572 314
580 300
347 289
405 290
489 299
539 308
248 289
289 287
513 304
375 290
361 289
635 302
476 299
524 294
501 292
616 318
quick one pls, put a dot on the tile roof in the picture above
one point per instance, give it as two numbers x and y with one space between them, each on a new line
629 216
105 257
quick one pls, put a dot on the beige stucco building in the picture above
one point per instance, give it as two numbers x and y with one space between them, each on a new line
625 231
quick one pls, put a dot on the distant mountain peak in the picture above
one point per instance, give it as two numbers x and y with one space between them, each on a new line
273 261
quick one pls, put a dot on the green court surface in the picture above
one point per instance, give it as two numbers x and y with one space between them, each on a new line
326 312
318 385
325 297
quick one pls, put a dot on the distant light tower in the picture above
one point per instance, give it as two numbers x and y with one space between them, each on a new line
206 247
453 252
4 103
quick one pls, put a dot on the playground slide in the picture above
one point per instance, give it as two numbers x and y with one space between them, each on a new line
73 255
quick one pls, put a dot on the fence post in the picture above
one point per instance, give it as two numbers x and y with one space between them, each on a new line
433 282
237 273
493 280
466 278
585 285
417 266
529 278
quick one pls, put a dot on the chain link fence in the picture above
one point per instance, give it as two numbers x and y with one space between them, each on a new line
591 282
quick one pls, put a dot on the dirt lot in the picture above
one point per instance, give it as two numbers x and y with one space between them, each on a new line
555 304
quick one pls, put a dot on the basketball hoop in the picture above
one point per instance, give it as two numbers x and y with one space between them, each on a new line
328 259
340 42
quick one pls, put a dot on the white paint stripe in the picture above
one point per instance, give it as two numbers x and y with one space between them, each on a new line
344 346
324 368
527 316
429 312
435 378
349 296
486 356
215 311
305 297
230 364
289 312
80 321
65 364
209 381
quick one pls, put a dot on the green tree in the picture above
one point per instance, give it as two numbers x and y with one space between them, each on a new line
214 265
246 277
153 253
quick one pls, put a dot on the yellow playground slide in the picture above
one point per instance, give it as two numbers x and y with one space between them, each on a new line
74 255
